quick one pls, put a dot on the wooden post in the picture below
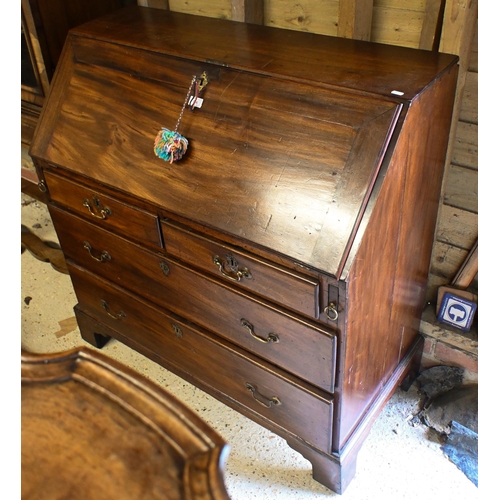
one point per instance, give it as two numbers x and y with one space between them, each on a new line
460 17
468 270
355 19
34 43
155 4
430 36
459 23
248 11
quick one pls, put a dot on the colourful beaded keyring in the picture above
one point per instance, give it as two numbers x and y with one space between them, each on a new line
170 145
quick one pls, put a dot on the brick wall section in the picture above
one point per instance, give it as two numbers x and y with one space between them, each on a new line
439 353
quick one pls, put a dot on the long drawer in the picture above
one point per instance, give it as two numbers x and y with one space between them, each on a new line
289 288
270 392
304 349
104 210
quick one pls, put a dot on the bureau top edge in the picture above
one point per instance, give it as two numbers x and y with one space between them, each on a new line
367 67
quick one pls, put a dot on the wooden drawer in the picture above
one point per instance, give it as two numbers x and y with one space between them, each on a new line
281 285
274 395
104 210
302 348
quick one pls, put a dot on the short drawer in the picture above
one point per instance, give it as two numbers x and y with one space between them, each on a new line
104 210
284 286
257 385
302 348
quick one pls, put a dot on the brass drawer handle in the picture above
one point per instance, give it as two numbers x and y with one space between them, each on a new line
271 338
103 257
331 309
103 211
262 400
238 273
120 314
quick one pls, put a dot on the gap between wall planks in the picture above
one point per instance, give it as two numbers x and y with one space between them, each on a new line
445 25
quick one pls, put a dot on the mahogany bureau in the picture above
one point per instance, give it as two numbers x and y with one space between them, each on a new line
281 263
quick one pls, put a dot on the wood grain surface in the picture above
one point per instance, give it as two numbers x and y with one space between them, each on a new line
93 428
281 264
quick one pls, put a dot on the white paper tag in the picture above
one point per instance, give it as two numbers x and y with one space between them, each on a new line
198 103
397 92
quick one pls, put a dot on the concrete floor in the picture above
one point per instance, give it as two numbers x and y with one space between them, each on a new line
397 461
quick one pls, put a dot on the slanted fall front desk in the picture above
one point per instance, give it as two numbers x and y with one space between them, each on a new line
279 262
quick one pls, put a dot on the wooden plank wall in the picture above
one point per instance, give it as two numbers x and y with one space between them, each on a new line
445 25
457 229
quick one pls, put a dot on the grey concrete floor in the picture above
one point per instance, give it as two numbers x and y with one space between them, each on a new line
397 461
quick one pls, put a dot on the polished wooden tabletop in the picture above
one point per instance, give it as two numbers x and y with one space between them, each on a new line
95 429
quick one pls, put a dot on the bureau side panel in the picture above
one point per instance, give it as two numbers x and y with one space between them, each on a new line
425 163
386 284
